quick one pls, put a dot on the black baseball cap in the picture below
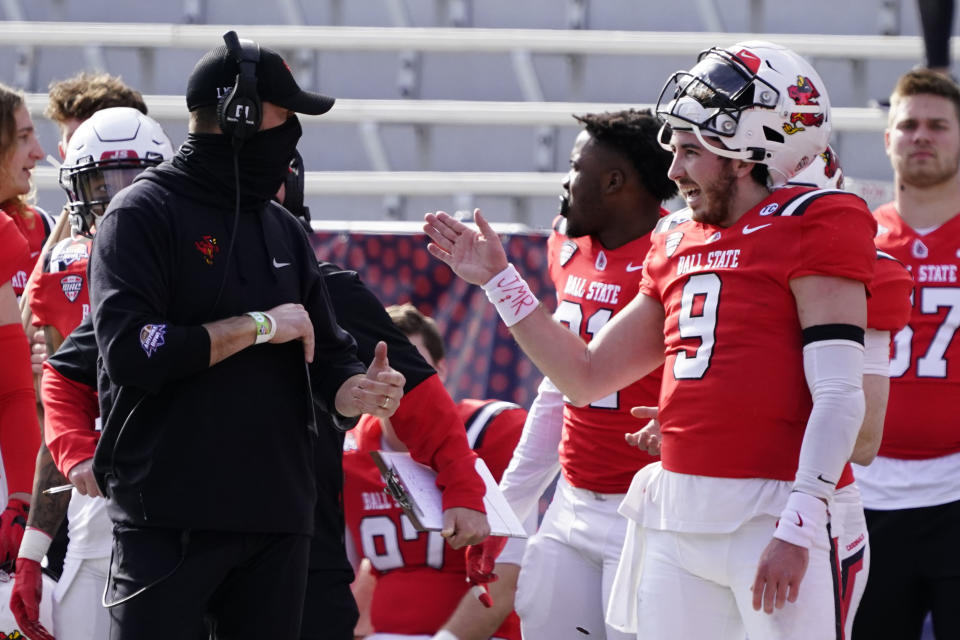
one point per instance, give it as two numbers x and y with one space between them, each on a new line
216 73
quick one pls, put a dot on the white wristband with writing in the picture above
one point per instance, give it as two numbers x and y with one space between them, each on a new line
34 544
803 521
511 295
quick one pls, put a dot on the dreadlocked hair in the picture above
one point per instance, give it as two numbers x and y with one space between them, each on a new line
634 134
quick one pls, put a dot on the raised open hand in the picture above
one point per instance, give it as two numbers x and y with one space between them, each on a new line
476 255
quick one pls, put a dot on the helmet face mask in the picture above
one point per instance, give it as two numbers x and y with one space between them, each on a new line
104 155
754 101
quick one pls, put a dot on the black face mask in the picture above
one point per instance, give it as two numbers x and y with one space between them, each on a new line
263 162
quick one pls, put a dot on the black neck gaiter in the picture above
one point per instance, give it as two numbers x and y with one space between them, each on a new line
263 162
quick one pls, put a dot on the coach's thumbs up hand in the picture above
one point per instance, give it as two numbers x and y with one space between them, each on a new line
378 392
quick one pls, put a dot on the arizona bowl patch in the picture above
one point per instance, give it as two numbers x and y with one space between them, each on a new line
71 285
152 337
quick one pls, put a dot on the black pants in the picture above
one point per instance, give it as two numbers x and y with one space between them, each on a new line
237 585
329 610
914 569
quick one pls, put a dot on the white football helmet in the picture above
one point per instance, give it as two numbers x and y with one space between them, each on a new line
824 172
764 102
103 156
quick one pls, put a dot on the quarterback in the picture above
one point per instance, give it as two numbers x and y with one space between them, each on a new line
754 301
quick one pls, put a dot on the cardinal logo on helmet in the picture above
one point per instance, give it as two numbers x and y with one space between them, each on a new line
804 94
830 160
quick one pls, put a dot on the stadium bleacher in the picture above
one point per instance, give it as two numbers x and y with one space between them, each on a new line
354 72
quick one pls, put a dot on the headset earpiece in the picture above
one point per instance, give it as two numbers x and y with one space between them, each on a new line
240 111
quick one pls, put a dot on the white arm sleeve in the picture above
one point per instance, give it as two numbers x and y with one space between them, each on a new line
876 353
535 461
834 372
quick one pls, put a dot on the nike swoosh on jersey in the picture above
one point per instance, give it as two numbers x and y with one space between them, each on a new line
277 265
631 268
747 229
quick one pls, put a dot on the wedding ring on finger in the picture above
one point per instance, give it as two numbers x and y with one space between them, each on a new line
386 402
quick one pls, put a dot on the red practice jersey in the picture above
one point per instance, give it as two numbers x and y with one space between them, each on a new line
14 250
593 284
420 579
34 229
19 430
921 416
734 401
58 295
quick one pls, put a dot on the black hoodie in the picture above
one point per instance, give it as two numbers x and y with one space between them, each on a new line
186 445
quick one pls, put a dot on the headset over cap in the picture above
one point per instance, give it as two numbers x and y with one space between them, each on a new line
215 75
764 103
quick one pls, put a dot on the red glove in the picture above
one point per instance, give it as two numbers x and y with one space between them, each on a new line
481 559
13 522
25 599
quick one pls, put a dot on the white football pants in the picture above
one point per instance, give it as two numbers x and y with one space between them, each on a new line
569 566
78 613
854 549
699 585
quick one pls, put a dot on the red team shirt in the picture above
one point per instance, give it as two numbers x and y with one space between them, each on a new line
920 421
14 249
734 401
35 236
58 295
420 579
593 284
19 430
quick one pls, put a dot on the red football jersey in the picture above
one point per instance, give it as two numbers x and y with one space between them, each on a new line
420 579
734 401
592 285
59 296
34 231
14 249
921 416
888 309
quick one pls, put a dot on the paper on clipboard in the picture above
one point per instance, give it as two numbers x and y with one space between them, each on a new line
414 487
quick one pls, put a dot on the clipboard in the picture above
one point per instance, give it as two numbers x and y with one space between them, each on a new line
413 486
